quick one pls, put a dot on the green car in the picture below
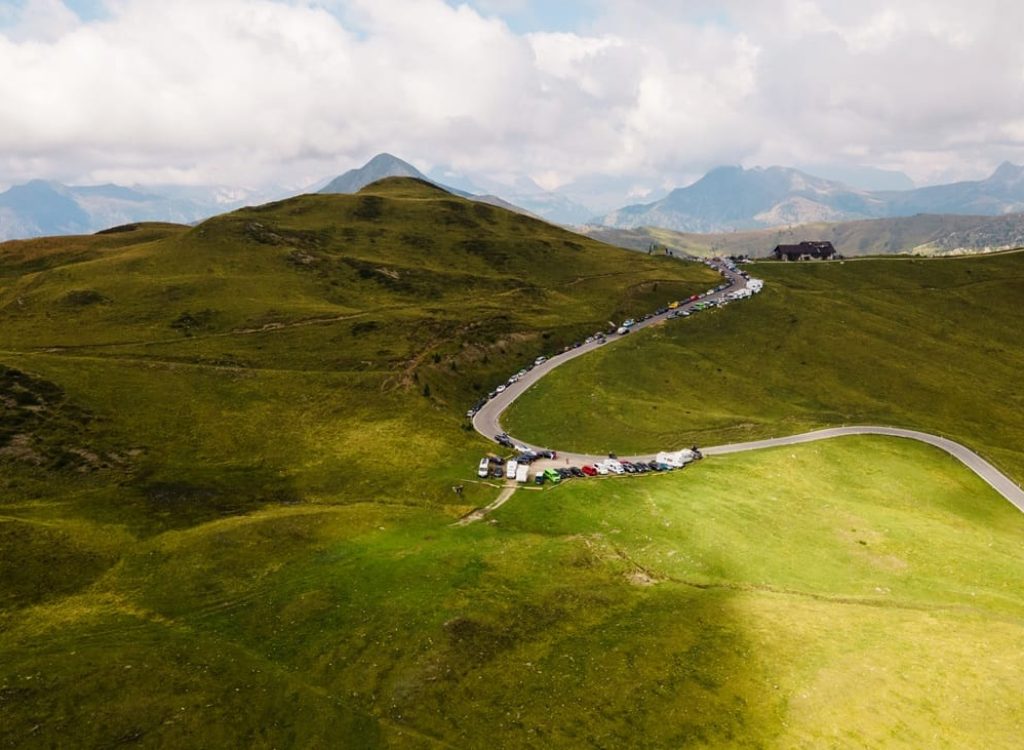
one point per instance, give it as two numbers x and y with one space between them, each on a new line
553 476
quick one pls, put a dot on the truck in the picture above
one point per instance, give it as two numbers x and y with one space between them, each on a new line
523 473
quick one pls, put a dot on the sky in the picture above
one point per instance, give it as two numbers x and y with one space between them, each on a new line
647 93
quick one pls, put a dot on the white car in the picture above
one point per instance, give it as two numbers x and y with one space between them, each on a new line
602 468
500 388
510 469
540 360
615 467
484 469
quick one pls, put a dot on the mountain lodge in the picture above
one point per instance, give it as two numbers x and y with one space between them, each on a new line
804 251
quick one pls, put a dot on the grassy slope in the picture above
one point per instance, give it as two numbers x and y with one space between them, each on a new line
280 353
789 607
931 344
195 549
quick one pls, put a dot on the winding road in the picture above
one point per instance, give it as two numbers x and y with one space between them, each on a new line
487 420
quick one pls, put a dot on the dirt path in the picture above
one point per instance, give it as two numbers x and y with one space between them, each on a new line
480 513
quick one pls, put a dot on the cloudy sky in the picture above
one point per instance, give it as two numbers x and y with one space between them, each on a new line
654 92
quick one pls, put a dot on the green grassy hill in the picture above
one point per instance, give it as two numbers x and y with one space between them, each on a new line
923 234
227 460
929 344
297 351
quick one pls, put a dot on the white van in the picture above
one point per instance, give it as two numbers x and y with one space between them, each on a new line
484 469
510 469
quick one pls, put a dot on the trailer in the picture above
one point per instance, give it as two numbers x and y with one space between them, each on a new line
677 459
523 473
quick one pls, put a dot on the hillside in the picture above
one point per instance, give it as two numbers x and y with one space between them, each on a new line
229 456
732 198
866 342
400 290
924 234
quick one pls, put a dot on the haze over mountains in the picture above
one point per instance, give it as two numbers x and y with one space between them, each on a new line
920 234
41 208
726 199
734 198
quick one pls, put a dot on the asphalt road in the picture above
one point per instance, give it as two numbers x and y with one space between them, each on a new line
487 420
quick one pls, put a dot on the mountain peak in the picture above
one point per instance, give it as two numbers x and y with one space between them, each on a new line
380 166
384 159
1007 172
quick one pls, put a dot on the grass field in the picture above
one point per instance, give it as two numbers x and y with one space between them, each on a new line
761 600
929 344
226 461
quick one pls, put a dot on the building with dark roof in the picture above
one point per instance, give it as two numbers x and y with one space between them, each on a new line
804 251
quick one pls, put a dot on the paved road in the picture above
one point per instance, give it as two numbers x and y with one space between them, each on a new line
487 420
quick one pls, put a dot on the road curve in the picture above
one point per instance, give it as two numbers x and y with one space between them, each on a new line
487 420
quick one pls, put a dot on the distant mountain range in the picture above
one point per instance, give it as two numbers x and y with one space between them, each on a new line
726 199
41 208
733 198
921 234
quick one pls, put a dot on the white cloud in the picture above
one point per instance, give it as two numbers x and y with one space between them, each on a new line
261 91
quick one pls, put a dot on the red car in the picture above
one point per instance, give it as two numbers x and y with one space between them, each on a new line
694 298
590 471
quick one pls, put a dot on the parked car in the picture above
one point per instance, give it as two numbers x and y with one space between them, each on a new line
553 476
540 360
511 468
577 471
622 330
602 468
539 479
589 470
484 469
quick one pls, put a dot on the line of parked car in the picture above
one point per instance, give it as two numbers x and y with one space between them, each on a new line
611 466
673 308
518 468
